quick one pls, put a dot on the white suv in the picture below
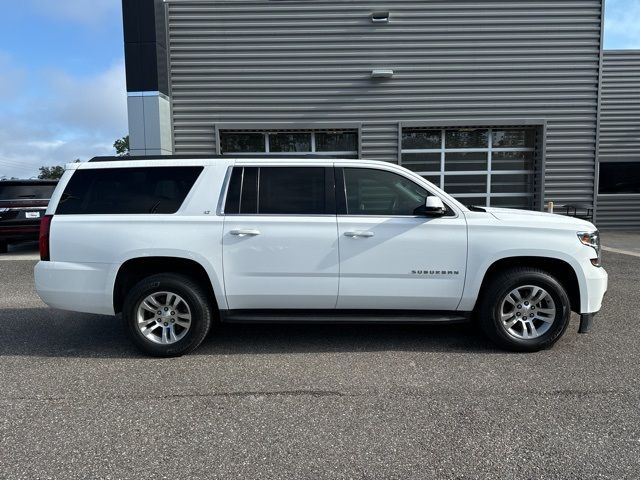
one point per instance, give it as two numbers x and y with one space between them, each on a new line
174 244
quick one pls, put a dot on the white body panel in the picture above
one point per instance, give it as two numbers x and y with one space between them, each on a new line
96 246
81 287
306 262
396 267
286 262
516 233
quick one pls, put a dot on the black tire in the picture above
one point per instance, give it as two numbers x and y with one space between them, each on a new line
4 247
498 288
194 295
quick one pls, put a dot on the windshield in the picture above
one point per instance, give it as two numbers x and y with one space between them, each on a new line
26 192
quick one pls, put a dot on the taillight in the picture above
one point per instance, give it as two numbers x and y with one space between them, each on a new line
45 228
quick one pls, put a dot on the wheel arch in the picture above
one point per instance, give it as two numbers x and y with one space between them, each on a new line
135 269
563 271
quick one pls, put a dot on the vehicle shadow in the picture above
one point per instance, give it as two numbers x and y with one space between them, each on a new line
23 247
53 333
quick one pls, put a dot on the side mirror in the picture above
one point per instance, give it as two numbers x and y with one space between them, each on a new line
433 207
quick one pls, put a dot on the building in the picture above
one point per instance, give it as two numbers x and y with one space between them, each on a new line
618 199
497 102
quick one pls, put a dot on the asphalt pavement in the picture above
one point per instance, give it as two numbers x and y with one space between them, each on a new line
622 242
312 402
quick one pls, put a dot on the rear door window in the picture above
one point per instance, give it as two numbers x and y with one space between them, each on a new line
127 190
281 191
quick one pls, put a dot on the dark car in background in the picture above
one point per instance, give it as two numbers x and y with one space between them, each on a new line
22 205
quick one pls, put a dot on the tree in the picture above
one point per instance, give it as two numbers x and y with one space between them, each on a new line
122 146
51 173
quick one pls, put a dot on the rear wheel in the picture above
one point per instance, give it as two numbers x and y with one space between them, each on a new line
167 315
524 310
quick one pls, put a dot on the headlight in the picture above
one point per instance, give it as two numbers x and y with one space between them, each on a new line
592 239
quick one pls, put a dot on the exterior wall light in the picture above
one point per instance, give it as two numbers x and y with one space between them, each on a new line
380 17
382 73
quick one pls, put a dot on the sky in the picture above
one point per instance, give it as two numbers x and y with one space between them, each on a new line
62 79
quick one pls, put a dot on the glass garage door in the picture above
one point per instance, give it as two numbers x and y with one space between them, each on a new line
484 167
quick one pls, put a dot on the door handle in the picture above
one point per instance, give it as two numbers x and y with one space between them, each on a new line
358 234
244 232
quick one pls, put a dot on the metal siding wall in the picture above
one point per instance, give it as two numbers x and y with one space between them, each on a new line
310 61
617 212
620 132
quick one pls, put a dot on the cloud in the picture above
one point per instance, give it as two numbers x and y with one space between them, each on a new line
84 12
622 24
11 77
96 103
75 117
20 155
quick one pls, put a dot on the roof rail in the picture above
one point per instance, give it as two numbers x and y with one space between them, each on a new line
211 157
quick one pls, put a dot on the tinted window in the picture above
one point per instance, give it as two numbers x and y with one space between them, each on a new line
292 190
337 142
26 192
242 194
466 138
249 196
619 177
127 190
342 143
278 191
420 138
232 203
377 192
505 138
242 142
289 142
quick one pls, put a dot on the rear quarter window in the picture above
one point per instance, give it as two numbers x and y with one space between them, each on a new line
127 190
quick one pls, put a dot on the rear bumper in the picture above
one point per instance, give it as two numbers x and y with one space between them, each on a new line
75 286
19 232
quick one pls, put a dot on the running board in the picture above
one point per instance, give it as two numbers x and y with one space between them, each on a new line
342 316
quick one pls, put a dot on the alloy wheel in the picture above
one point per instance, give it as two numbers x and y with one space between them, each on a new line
163 317
527 312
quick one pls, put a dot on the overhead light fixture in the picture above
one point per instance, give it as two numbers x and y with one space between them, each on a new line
380 17
381 73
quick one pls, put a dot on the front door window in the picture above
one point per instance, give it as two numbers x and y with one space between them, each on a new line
378 192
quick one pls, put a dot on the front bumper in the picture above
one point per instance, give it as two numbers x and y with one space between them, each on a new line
597 285
596 282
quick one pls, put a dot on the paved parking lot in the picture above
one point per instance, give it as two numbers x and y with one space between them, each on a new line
303 402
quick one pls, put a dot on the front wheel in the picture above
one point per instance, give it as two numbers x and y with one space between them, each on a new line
167 315
524 310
